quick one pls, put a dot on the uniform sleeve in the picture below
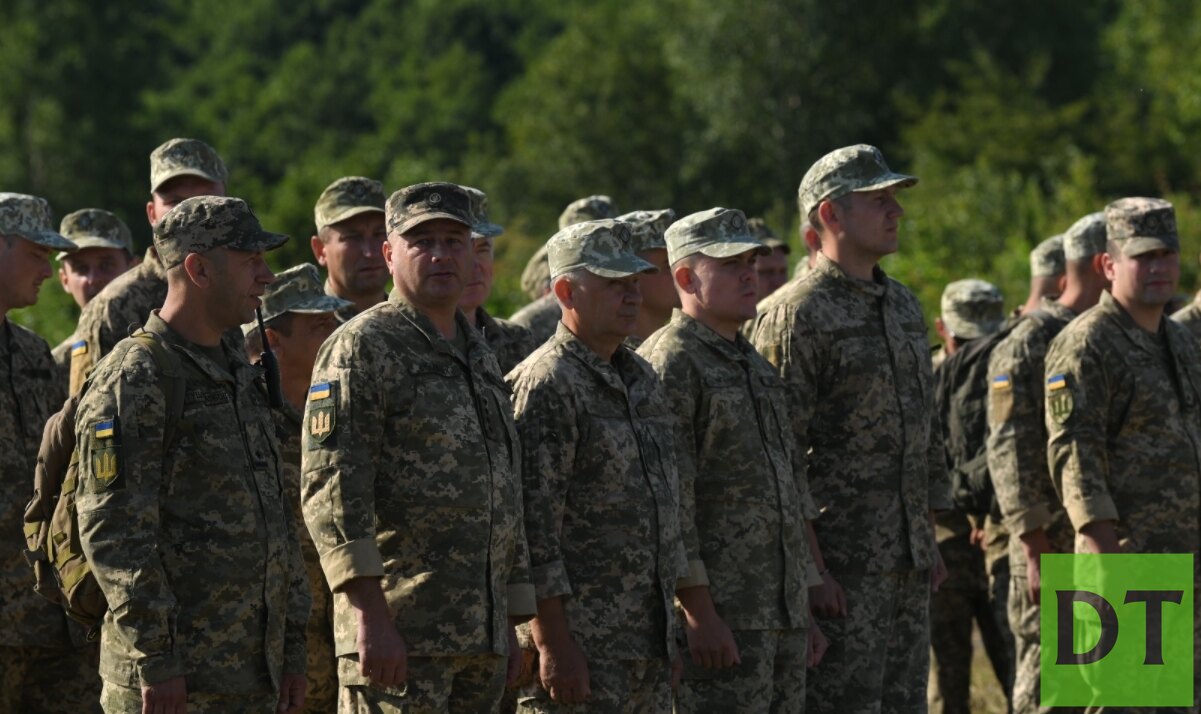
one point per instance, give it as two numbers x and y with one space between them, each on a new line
1077 405
1017 436
546 424
938 475
520 591
300 606
342 433
120 425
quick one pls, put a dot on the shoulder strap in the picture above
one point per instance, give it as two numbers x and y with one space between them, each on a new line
170 368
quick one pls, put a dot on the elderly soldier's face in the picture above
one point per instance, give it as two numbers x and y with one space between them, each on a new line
772 270
240 278
1148 279
175 191
480 286
658 290
85 272
607 307
870 221
727 288
431 263
23 266
353 252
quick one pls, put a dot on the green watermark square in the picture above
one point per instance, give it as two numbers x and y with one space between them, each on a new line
1117 630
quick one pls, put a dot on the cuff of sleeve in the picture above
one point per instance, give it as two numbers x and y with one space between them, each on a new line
153 669
550 580
356 559
1085 511
813 578
522 604
809 508
1028 519
295 655
697 576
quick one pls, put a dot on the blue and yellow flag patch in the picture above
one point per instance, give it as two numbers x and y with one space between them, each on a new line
1001 382
1057 382
79 348
105 429
320 391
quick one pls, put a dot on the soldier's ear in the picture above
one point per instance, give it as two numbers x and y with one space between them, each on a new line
684 277
562 288
318 247
198 269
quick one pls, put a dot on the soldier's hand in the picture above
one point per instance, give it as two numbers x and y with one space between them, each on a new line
292 688
710 642
382 655
564 672
938 573
167 697
513 673
817 645
828 599
1034 544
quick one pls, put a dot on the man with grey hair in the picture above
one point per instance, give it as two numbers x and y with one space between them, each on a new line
850 344
1046 273
600 489
1016 447
349 216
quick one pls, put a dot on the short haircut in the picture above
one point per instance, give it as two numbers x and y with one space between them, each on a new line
815 220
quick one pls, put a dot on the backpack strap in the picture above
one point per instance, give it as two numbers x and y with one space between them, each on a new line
171 369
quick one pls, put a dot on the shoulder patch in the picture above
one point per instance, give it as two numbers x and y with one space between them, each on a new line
1001 383
79 348
323 411
321 391
105 449
1059 398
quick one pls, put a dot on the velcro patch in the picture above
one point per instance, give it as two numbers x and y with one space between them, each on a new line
1001 382
79 348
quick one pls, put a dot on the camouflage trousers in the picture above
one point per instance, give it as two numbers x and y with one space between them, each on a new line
771 677
965 597
117 699
49 680
879 656
636 686
321 665
434 685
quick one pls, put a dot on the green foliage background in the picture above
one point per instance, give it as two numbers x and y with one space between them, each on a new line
1019 117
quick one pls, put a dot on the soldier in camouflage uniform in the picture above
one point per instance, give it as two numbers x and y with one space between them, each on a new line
105 252
851 347
658 292
45 665
1190 316
179 169
773 267
600 490
349 242
971 310
298 316
181 514
1046 274
743 507
511 343
410 481
1017 438
1123 400
541 317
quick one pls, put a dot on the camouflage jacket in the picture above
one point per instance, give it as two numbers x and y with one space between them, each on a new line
511 342
856 364
29 395
62 362
1123 415
108 318
602 513
540 317
743 504
1190 316
192 544
1017 433
411 473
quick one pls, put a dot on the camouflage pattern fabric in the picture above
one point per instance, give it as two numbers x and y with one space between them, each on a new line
647 228
590 208
297 289
1047 259
117 699
972 308
95 228
879 655
410 473
766 235
29 217
619 686
481 226
434 684
225 601
413 205
850 169
511 342
535 277
601 502
540 317
1124 428
603 248
1085 238
1190 317
185 157
321 665
348 197
1139 225
61 355
43 680
743 506
716 233
771 677
202 223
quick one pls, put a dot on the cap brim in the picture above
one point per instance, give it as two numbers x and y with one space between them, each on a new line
263 241
427 217
974 330
50 239
888 180
95 242
350 213
729 249
183 172
1145 244
316 306
621 267
487 230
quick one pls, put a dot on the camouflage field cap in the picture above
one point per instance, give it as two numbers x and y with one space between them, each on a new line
536 275
766 236
1085 238
482 228
972 308
29 217
202 223
602 248
96 228
185 157
413 205
717 233
1046 259
348 197
1140 225
297 289
591 208
647 228
850 169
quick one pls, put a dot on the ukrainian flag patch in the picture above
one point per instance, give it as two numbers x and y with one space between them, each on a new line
320 391
1057 382
79 348
105 429
1001 382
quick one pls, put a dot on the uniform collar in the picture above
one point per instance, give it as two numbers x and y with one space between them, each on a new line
476 346
876 287
236 360
611 373
1144 340
735 350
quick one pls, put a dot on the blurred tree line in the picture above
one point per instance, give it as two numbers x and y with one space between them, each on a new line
1018 117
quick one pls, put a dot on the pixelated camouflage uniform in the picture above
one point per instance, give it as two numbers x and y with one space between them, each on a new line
1190 316
511 342
540 317
410 474
194 548
602 516
856 364
743 508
